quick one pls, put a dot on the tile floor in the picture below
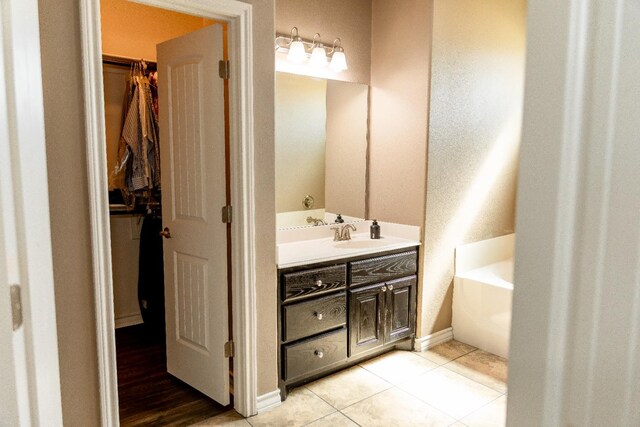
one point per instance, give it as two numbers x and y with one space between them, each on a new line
452 384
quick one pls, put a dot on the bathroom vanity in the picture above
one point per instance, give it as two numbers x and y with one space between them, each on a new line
339 302
340 311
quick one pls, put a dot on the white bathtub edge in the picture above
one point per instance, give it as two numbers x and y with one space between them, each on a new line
425 343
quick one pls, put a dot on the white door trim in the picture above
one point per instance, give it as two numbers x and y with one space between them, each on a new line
238 15
25 234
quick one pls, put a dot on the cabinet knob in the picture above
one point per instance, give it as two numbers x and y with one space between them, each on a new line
318 283
390 287
319 316
383 288
319 354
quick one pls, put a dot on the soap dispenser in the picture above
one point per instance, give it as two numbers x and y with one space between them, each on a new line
339 219
375 230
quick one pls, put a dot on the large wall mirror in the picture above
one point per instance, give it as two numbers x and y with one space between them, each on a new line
321 149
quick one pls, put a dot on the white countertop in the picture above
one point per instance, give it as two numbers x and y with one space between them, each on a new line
302 252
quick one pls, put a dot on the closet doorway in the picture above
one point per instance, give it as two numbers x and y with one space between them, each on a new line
168 162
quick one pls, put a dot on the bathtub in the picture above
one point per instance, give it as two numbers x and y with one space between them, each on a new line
482 296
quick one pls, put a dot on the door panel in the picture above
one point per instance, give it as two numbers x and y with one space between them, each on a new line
191 275
365 316
400 307
191 98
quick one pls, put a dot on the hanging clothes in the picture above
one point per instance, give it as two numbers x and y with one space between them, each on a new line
139 149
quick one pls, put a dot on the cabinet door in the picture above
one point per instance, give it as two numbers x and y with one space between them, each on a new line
366 318
400 309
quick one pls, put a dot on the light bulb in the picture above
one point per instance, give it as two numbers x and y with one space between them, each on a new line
318 57
297 53
338 61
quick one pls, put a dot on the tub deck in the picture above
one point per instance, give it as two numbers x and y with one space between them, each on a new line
482 300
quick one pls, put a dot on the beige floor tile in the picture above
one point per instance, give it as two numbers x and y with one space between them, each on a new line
446 352
395 408
492 415
398 366
483 367
334 420
457 424
348 387
300 408
228 419
450 392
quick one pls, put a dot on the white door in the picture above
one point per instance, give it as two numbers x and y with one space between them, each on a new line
192 146
29 367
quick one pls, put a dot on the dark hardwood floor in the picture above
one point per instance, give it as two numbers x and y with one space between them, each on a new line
148 395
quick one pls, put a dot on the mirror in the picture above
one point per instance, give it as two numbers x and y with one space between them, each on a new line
320 149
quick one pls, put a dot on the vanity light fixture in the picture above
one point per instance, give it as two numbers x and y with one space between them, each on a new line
297 52
314 51
318 54
338 60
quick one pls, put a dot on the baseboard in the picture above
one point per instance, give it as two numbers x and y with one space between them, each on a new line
425 343
129 320
269 400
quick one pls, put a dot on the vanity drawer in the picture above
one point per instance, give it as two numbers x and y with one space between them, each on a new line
313 282
311 317
383 268
313 354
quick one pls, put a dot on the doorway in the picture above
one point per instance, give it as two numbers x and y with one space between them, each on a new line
240 193
176 107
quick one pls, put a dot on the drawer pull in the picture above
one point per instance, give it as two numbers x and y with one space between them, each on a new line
383 289
319 316
319 354
390 287
318 283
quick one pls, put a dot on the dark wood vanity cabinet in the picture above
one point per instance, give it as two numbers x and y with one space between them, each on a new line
334 315
381 314
400 309
366 319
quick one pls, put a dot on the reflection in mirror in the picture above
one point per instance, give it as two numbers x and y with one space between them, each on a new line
321 150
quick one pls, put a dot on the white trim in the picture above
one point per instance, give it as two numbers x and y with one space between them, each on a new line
238 15
128 320
99 210
430 341
269 401
31 391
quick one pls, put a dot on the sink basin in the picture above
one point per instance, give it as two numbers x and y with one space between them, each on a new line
360 244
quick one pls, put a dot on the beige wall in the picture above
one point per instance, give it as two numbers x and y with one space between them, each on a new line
133 30
348 20
125 249
263 95
301 117
346 148
474 133
400 52
69 210
115 87
69 206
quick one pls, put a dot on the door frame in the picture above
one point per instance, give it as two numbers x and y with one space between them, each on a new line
25 230
238 16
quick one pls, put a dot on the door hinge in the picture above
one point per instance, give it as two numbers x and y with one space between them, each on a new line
227 214
223 69
229 349
16 306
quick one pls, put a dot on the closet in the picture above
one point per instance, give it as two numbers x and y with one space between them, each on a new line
148 393
133 165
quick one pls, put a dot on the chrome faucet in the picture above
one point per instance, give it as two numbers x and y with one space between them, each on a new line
342 232
315 221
